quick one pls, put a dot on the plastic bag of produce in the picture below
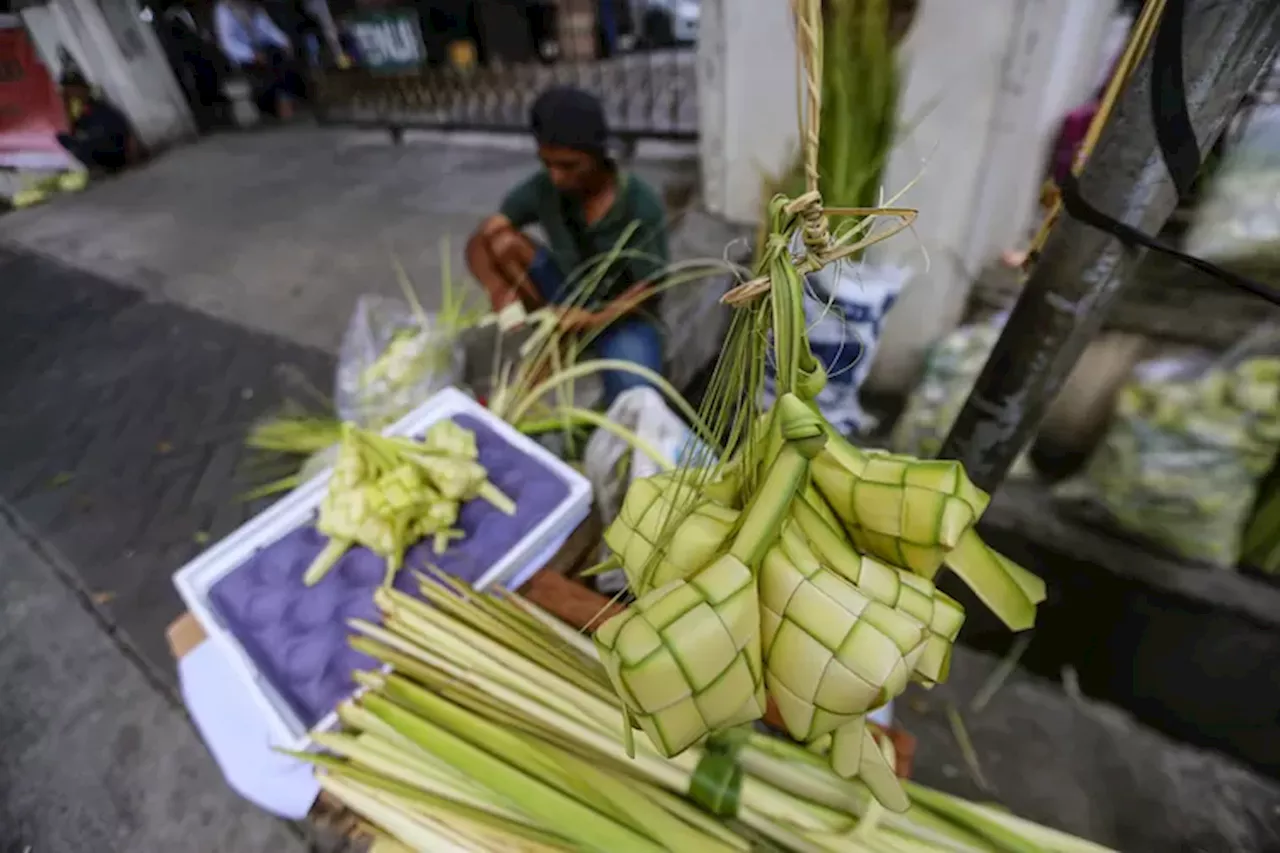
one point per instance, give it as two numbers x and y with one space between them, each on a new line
845 307
949 375
391 359
1190 441
1237 225
951 369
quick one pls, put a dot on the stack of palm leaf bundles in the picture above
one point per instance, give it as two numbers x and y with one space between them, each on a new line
1190 442
494 727
795 566
388 493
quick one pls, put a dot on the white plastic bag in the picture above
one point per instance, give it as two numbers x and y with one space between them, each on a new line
390 361
845 306
611 463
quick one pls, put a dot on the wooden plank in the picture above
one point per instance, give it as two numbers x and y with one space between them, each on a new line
184 634
570 601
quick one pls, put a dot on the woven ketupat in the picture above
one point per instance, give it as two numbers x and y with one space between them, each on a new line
909 512
358 515
686 656
907 593
919 514
831 653
692 527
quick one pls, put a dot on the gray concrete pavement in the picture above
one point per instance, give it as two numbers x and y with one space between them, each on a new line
1085 767
121 439
281 230
94 756
144 323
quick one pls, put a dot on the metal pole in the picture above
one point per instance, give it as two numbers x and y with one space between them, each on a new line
1082 270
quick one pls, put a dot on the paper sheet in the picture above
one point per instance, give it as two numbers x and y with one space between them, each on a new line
232 725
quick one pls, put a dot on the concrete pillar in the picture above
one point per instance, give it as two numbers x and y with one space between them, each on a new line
986 85
746 102
122 55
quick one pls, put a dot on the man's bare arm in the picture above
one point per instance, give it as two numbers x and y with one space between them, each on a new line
498 255
626 302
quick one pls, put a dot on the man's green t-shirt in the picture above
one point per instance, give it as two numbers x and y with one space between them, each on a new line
536 200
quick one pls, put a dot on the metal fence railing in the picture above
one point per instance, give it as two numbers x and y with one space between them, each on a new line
646 94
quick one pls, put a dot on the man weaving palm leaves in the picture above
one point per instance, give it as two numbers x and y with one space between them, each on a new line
584 205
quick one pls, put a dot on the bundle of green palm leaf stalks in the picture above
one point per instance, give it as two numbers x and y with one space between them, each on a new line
493 727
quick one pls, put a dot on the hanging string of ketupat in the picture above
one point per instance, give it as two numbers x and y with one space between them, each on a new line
822 247
790 567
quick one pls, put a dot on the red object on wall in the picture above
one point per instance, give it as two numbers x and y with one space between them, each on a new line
31 110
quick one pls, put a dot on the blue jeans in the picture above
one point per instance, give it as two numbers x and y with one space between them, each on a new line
635 339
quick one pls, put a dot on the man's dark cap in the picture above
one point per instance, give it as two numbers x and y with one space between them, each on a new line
570 118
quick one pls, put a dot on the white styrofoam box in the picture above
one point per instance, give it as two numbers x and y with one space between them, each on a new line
196 578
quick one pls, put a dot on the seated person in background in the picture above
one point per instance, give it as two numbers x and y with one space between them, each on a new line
583 204
195 60
100 136
261 51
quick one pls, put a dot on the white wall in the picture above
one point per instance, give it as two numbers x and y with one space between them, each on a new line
985 85
988 83
746 101
122 55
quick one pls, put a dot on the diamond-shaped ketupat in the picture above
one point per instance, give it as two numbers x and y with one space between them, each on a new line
830 653
907 511
382 495
918 514
709 623
653 507
678 656
456 479
402 487
436 514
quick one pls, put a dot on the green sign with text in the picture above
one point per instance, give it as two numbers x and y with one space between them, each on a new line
388 41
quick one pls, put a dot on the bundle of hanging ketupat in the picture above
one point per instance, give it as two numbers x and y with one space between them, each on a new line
795 566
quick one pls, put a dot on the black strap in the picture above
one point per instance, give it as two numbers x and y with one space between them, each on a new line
1178 147
1174 134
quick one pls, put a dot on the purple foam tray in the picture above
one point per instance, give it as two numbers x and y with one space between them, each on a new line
297 635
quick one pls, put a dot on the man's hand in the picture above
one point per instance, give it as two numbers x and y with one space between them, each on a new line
631 298
580 319
626 302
